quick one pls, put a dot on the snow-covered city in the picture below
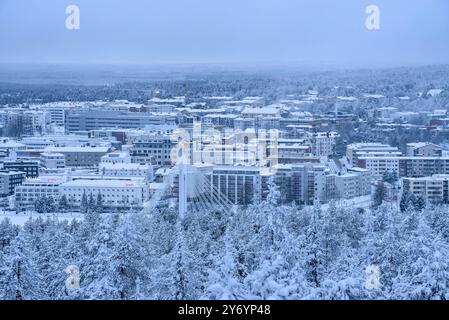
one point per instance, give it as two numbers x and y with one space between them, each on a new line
223 181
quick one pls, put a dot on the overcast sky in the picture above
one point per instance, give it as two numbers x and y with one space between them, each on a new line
191 31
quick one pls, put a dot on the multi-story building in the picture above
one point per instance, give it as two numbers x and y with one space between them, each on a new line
9 180
35 121
377 166
153 149
30 168
423 166
300 183
52 160
80 156
33 189
119 193
242 185
356 150
126 170
97 119
424 149
323 143
116 157
434 189
405 166
354 183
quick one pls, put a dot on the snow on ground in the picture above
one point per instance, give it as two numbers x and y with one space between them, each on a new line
22 217
359 202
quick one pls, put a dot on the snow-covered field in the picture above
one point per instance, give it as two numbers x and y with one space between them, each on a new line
21 218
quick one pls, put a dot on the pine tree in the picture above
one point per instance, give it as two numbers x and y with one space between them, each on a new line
179 278
63 203
8 232
21 278
97 279
39 205
99 203
425 272
128 261
314 255
224 282
404 203
91 204
50 205
419 204
84 203
380 194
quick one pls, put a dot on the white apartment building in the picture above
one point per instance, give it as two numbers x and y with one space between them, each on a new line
373 149
355 183
126 170
434 189
116 193
378 165
424 149
52 160
322 143
36 121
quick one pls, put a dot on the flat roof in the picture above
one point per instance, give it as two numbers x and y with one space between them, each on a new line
106 183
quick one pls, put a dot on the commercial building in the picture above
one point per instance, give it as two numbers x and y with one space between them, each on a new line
118 193
33 189
126 170
97 119
80 156
152 149
116 157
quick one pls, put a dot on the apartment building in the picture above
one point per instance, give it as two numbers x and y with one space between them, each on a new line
242 185
377 165
405 166
323 143
354 183
52 160
356 150
435 189
424 149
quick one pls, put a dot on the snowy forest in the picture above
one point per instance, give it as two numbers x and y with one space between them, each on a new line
265 251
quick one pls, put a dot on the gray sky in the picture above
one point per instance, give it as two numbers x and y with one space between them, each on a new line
190 31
